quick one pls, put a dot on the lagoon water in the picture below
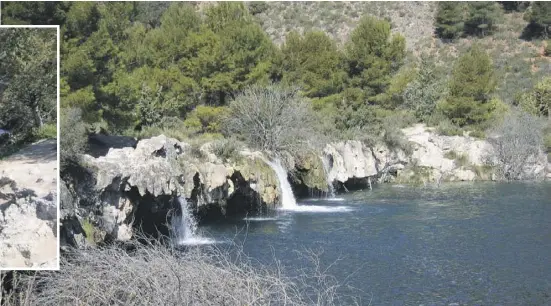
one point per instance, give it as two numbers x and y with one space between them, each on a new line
460 244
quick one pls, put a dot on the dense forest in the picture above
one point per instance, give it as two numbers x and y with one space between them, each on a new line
186 70
28 92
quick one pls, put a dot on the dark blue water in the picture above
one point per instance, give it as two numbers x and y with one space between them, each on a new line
470 244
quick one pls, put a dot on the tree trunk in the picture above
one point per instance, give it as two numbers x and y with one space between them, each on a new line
37 118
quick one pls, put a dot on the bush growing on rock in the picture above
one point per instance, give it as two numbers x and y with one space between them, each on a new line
272 118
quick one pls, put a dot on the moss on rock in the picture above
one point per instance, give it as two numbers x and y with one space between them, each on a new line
309 172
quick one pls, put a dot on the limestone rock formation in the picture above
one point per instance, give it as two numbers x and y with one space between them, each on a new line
130 182
28 207
433 158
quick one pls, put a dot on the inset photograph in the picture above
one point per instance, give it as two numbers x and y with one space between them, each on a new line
28 148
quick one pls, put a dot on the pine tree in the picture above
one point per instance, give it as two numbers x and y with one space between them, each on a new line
470 88
314 63
373 55
450 19
539 16
482 18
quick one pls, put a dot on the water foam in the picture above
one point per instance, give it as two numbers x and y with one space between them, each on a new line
288 201
184 227
317 209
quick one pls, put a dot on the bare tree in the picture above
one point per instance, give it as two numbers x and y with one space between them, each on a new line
272 118
517 143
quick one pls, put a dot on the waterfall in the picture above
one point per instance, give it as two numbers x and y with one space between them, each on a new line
287 198
326 168
184 226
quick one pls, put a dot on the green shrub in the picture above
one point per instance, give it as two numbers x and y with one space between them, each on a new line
547 141
478 134
450 154
73 134
449 20
48 130
226 149
547 50
461 160
447 128
206 119
89 231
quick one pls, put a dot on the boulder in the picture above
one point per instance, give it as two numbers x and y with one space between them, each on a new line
349 159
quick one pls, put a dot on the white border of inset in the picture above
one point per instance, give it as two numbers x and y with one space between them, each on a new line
58 60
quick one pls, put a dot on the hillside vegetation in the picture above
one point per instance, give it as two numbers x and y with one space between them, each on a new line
363 69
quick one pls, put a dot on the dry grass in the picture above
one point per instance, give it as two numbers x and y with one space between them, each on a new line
338 19
155 274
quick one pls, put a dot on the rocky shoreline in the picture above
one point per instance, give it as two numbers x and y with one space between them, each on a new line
132 185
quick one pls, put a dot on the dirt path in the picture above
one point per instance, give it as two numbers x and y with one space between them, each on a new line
34 167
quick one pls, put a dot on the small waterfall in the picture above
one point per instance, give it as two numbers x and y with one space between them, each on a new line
288 200
184 226
326 168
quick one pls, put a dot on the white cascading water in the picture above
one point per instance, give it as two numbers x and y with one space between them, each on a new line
184 226
325 163
288 201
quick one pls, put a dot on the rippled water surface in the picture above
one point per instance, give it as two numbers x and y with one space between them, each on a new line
460 244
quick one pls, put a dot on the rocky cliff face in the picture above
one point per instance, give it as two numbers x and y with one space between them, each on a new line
432 158
139 185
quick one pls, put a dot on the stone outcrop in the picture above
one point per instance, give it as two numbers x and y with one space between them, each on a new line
28 207
106 196
128 183
431 158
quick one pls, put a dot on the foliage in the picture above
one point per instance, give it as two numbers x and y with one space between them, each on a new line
449 20
48 130
461 160
27 80
482 18
423 93
257 7
206 119
547 49
273 118
314 63
538 100
373 55
514 6
226 149
539 18
32 13
470 88
74 136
